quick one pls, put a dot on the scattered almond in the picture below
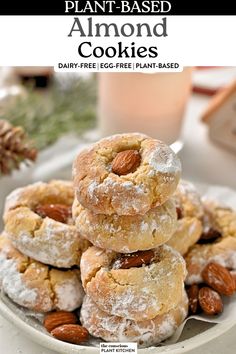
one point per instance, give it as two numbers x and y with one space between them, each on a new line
219 278
136 259
71 333
126 162
193 292
57 212
58 318
210 301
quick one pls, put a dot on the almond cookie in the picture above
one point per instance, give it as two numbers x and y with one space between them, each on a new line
190 212
38 221
220 218
119 329
126 234
125 174
188 200
217 242
138 286
36 286
222 251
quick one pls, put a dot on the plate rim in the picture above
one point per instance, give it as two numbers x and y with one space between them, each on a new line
51 343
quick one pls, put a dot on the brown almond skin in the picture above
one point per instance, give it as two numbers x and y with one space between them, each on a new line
126 162
233 273
58 318
57 212
136 259
210 301
71 333
219 278
193 292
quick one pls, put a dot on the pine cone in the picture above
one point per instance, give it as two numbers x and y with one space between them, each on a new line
14 148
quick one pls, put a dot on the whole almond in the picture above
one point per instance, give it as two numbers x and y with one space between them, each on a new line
136 259
57 212
233 273
193 292
210 301
126 162
71 333
219 278
58 318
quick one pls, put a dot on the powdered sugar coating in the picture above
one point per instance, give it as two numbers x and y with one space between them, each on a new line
69 294
12 283
138 293
189 230
222 252
164 160
127 233
43 239
36 286
145 333
188 199
53 243
104 192
14 198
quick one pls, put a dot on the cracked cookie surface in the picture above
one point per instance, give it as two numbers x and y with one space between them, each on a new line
138 293
102 191
190 212
36 286
127 233
118 329
43 238
222 250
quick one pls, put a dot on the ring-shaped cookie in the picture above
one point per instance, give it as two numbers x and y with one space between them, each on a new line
223 252
119 329
188 200
220 222
42 238
36 286
187 234
190 212
102 191
125 233
138 293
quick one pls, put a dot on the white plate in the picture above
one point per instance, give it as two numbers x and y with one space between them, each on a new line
194 334
35 331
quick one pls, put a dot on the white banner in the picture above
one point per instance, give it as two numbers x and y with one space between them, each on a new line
130 43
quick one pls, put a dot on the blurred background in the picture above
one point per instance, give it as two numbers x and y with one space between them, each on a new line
47 117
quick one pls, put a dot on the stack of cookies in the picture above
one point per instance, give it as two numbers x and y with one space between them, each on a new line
40 248
134 282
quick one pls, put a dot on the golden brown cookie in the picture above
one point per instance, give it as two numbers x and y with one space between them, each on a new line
190 211
187 234
222 251
220 218
119 329
36 286
38 221
188 200
138 286
127 233
153 174
217 242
